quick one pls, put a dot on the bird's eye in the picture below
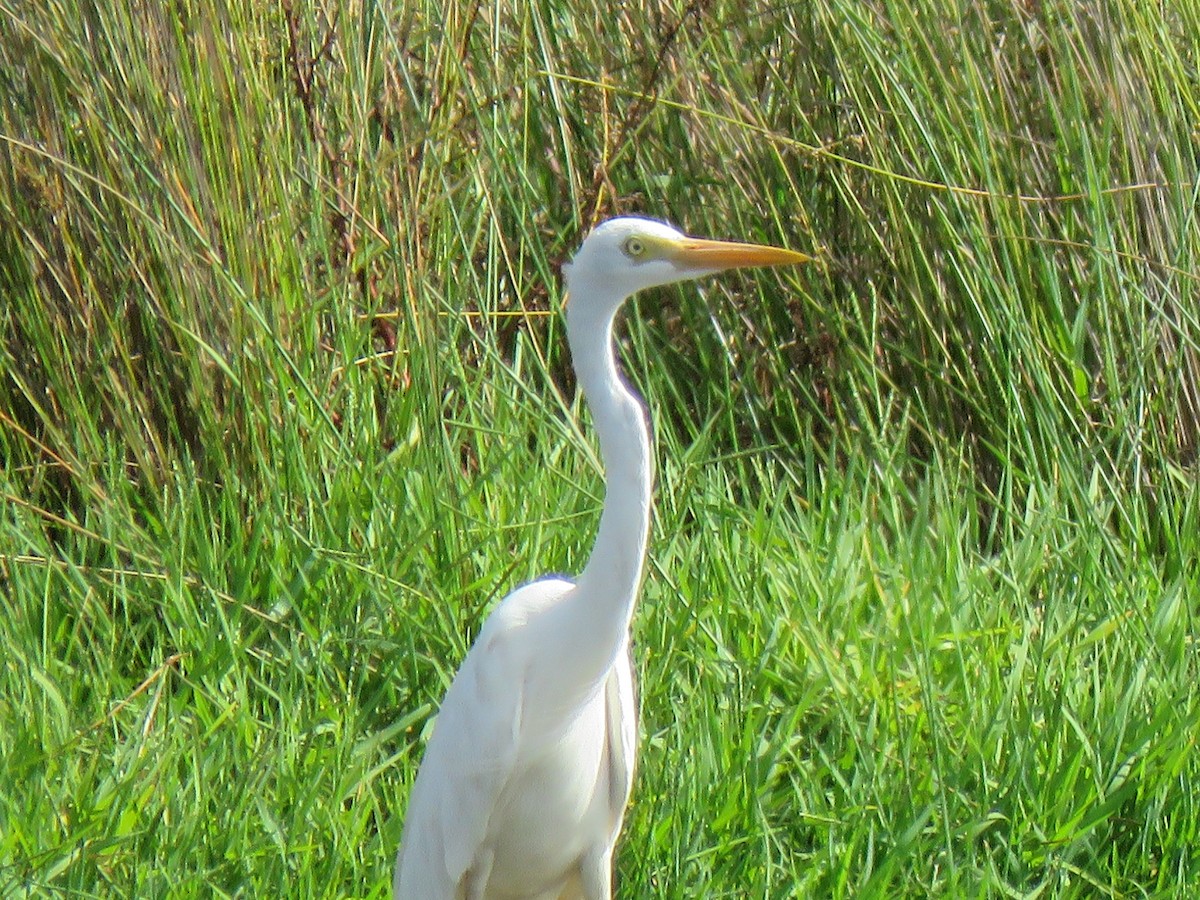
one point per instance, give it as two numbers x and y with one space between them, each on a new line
634 248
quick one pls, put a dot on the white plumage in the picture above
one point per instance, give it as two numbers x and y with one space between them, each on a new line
524 783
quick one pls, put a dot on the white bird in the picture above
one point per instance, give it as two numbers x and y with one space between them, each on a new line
524 782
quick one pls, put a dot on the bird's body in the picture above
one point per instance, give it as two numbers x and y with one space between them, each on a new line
484 832
524 783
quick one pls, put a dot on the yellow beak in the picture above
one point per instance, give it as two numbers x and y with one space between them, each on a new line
697 253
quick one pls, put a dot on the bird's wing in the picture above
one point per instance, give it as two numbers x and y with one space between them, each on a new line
622 709
482 721
476 738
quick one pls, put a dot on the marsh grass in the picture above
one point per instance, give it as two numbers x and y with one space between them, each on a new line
284 409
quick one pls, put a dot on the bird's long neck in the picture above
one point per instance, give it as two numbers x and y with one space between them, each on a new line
621 427
607 588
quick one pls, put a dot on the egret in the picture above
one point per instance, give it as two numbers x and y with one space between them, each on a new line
524 782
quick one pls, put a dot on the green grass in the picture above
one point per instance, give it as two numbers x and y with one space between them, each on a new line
921 616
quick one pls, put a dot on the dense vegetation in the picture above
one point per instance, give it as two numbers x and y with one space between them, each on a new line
284 408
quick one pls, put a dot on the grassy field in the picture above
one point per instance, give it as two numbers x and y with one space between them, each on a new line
285 407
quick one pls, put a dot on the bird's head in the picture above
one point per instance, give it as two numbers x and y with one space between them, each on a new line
625 255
